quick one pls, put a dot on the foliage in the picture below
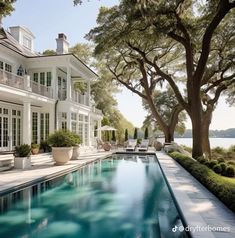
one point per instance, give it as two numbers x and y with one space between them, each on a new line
34 146
230 171
217 169
62 138
49 52
135 136
6 7
45 146
113 136
212 163
126 134
23 150
223 188
188 43
146 133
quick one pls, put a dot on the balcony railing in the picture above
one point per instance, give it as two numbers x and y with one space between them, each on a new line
24 83
97 111
12 80
41 89
79 98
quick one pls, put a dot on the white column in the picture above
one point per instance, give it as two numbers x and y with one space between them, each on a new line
69 126
27 85
89 131
89 93
27 123
69 89
98 129
51 119
54 83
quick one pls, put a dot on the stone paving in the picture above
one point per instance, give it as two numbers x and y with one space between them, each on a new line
200 208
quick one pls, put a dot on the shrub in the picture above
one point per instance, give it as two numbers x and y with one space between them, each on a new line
223 188
202 160
218 150
23 150
217 168
62 138
212 163
230 171
231 162
221 160
231 148
223 167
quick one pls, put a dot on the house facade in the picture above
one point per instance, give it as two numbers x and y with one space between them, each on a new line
37 94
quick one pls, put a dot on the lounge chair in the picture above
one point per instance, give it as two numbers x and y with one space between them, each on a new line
131 145
144 145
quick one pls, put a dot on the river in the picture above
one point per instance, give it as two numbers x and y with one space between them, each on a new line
222 142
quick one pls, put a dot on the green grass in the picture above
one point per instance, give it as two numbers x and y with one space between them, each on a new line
222 187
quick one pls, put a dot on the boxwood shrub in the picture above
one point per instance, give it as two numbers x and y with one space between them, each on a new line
222 187
217 168
230 171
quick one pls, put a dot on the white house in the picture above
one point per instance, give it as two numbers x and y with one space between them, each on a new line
37 94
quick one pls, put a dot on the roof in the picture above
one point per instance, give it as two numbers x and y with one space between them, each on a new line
10 42
25 29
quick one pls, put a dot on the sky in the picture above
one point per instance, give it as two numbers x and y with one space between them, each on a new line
48 18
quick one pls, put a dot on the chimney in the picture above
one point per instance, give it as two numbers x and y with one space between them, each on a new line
62 44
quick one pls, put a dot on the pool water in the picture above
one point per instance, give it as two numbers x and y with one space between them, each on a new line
120 197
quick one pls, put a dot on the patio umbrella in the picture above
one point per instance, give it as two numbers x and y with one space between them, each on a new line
106 128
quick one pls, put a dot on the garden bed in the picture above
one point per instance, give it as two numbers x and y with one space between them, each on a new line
222 187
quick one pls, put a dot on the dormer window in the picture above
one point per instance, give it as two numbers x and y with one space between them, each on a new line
27 42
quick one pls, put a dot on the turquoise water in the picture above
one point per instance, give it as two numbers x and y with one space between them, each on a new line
120 197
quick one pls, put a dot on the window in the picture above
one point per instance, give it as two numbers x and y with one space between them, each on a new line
74 122
48 79
44 126
47 125
64 115
35 77
35 127
27 42
64 120
42 78
1 65
8 67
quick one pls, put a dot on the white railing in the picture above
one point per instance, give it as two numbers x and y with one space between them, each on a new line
12 80
24 83
97 111
79 98
41 89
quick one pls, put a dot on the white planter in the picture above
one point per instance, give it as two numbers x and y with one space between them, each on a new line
22 162
62 155
76 152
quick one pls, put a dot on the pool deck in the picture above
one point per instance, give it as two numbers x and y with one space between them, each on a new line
200 208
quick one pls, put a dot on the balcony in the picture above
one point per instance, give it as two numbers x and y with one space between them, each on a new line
24 83
80 98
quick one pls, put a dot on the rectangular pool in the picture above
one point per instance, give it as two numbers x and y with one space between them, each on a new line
124 196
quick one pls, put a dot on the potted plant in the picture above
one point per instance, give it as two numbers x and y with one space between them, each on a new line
44 146
34 148
76 143
22 158
62 146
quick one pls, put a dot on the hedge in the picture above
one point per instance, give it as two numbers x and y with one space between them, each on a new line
223 188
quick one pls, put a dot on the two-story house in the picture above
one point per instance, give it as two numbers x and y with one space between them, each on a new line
37 93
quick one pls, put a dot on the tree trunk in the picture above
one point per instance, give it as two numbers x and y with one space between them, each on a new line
169 135
207 116
196 118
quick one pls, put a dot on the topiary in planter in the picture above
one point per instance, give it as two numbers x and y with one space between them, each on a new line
217 168
230 171
61 138
22 151
34 148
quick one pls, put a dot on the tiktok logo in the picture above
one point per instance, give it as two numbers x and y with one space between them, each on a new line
174 229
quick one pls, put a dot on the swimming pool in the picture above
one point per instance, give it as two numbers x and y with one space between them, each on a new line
124 196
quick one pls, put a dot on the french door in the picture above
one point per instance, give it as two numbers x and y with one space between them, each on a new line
4 133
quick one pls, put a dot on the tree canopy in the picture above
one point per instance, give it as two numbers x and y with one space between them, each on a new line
179 42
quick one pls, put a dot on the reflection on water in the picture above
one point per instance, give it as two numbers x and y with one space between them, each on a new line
120 197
